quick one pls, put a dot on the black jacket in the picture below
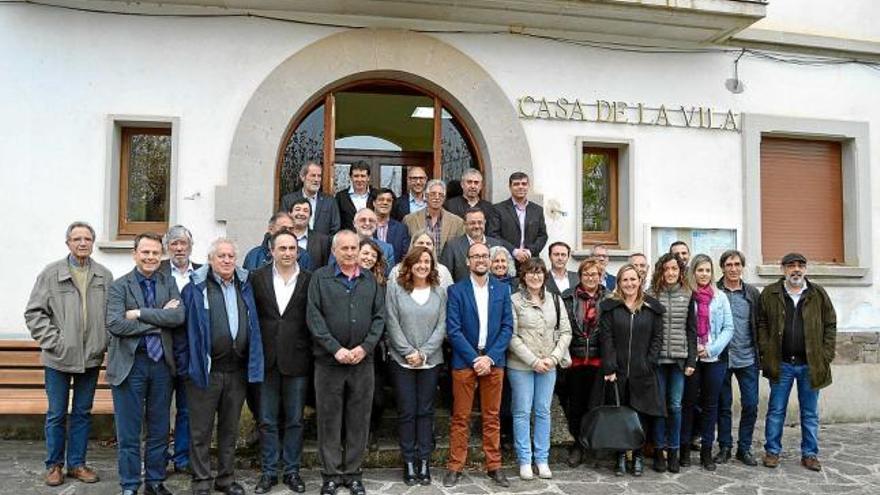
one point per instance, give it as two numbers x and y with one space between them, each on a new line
583 344
507 226
339 317
630 346
286 338
318 247
347 209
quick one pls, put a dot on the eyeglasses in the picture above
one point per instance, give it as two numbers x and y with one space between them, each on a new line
479 256
436 194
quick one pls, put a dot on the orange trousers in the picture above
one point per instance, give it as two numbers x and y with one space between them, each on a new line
464 381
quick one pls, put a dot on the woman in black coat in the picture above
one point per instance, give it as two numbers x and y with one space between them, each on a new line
630 336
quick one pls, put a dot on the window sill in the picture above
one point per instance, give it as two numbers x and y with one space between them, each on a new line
833 275
110 246
613 254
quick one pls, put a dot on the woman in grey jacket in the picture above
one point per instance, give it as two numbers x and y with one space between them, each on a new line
541 334
678 356
415 329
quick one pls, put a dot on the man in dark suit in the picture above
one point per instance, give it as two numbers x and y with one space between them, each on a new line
280 292
178 243
313 247
388 229
479 324
561 280
520 221
414 199
600 253
143 309
325 218
357 197
454 254
471 187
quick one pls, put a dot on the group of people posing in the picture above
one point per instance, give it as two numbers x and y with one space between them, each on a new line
433 293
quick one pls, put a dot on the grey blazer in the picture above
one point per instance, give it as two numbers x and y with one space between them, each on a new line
125 294
326 211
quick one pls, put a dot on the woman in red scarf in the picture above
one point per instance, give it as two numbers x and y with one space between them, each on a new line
714 331
583 314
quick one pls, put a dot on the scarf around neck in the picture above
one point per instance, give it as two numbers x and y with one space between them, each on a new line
703 296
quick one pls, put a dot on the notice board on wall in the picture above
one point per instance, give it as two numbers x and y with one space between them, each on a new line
707 241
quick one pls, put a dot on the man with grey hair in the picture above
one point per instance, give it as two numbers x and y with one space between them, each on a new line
65 315
178 243
797 333
345 311
224 352
261 255
325 211
471 188
439 222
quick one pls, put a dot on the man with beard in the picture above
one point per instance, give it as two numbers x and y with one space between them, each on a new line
325 211
797 331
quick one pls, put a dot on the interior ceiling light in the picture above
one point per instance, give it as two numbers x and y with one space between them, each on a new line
428 113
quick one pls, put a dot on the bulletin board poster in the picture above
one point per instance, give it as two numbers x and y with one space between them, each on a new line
707 241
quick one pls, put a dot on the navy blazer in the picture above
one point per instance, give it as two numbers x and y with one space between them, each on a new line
326 212
398 237
400 208
463 324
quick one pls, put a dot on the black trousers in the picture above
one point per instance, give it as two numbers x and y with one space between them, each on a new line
415 391
343 393
224 398
579 386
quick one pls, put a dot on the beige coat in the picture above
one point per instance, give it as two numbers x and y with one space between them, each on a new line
452 226
534 335
54 317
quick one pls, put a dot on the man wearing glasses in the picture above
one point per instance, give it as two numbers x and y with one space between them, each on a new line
414 199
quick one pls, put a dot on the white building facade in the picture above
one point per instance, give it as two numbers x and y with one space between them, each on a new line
554 88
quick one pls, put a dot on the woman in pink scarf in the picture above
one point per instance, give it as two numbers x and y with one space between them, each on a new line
714 331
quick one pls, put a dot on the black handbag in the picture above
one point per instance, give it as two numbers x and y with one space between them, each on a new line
611 427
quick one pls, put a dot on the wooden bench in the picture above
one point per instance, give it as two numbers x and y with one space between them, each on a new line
22 390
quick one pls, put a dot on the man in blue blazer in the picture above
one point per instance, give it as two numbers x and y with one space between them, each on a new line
325 211
143 310
390 230
479 324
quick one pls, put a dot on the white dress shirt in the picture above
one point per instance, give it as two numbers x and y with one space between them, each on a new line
181 277
481 295
283 290
561 283
359 200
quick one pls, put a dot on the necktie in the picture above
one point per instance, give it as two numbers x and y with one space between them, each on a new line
153 341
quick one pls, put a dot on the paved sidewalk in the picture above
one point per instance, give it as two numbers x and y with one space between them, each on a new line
850 456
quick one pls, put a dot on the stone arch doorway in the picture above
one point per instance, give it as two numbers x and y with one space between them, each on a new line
296 85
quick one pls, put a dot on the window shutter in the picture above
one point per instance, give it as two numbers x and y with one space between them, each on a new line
801 199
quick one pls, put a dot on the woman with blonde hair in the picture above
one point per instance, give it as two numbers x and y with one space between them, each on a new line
423 239
714 324
630 335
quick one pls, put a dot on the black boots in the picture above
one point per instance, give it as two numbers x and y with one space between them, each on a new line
424 472
638 465
722 456
672 463
620 465
706 458
659 460
685 456
409 474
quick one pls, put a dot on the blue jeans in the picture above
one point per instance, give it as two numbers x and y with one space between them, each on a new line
667 431
747 378
711 380
531 391
76 438
180 457
414 391
808 401
147 386
276 392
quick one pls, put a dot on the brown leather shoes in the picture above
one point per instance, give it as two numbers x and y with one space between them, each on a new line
771 460
55 475
811 463
83 473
